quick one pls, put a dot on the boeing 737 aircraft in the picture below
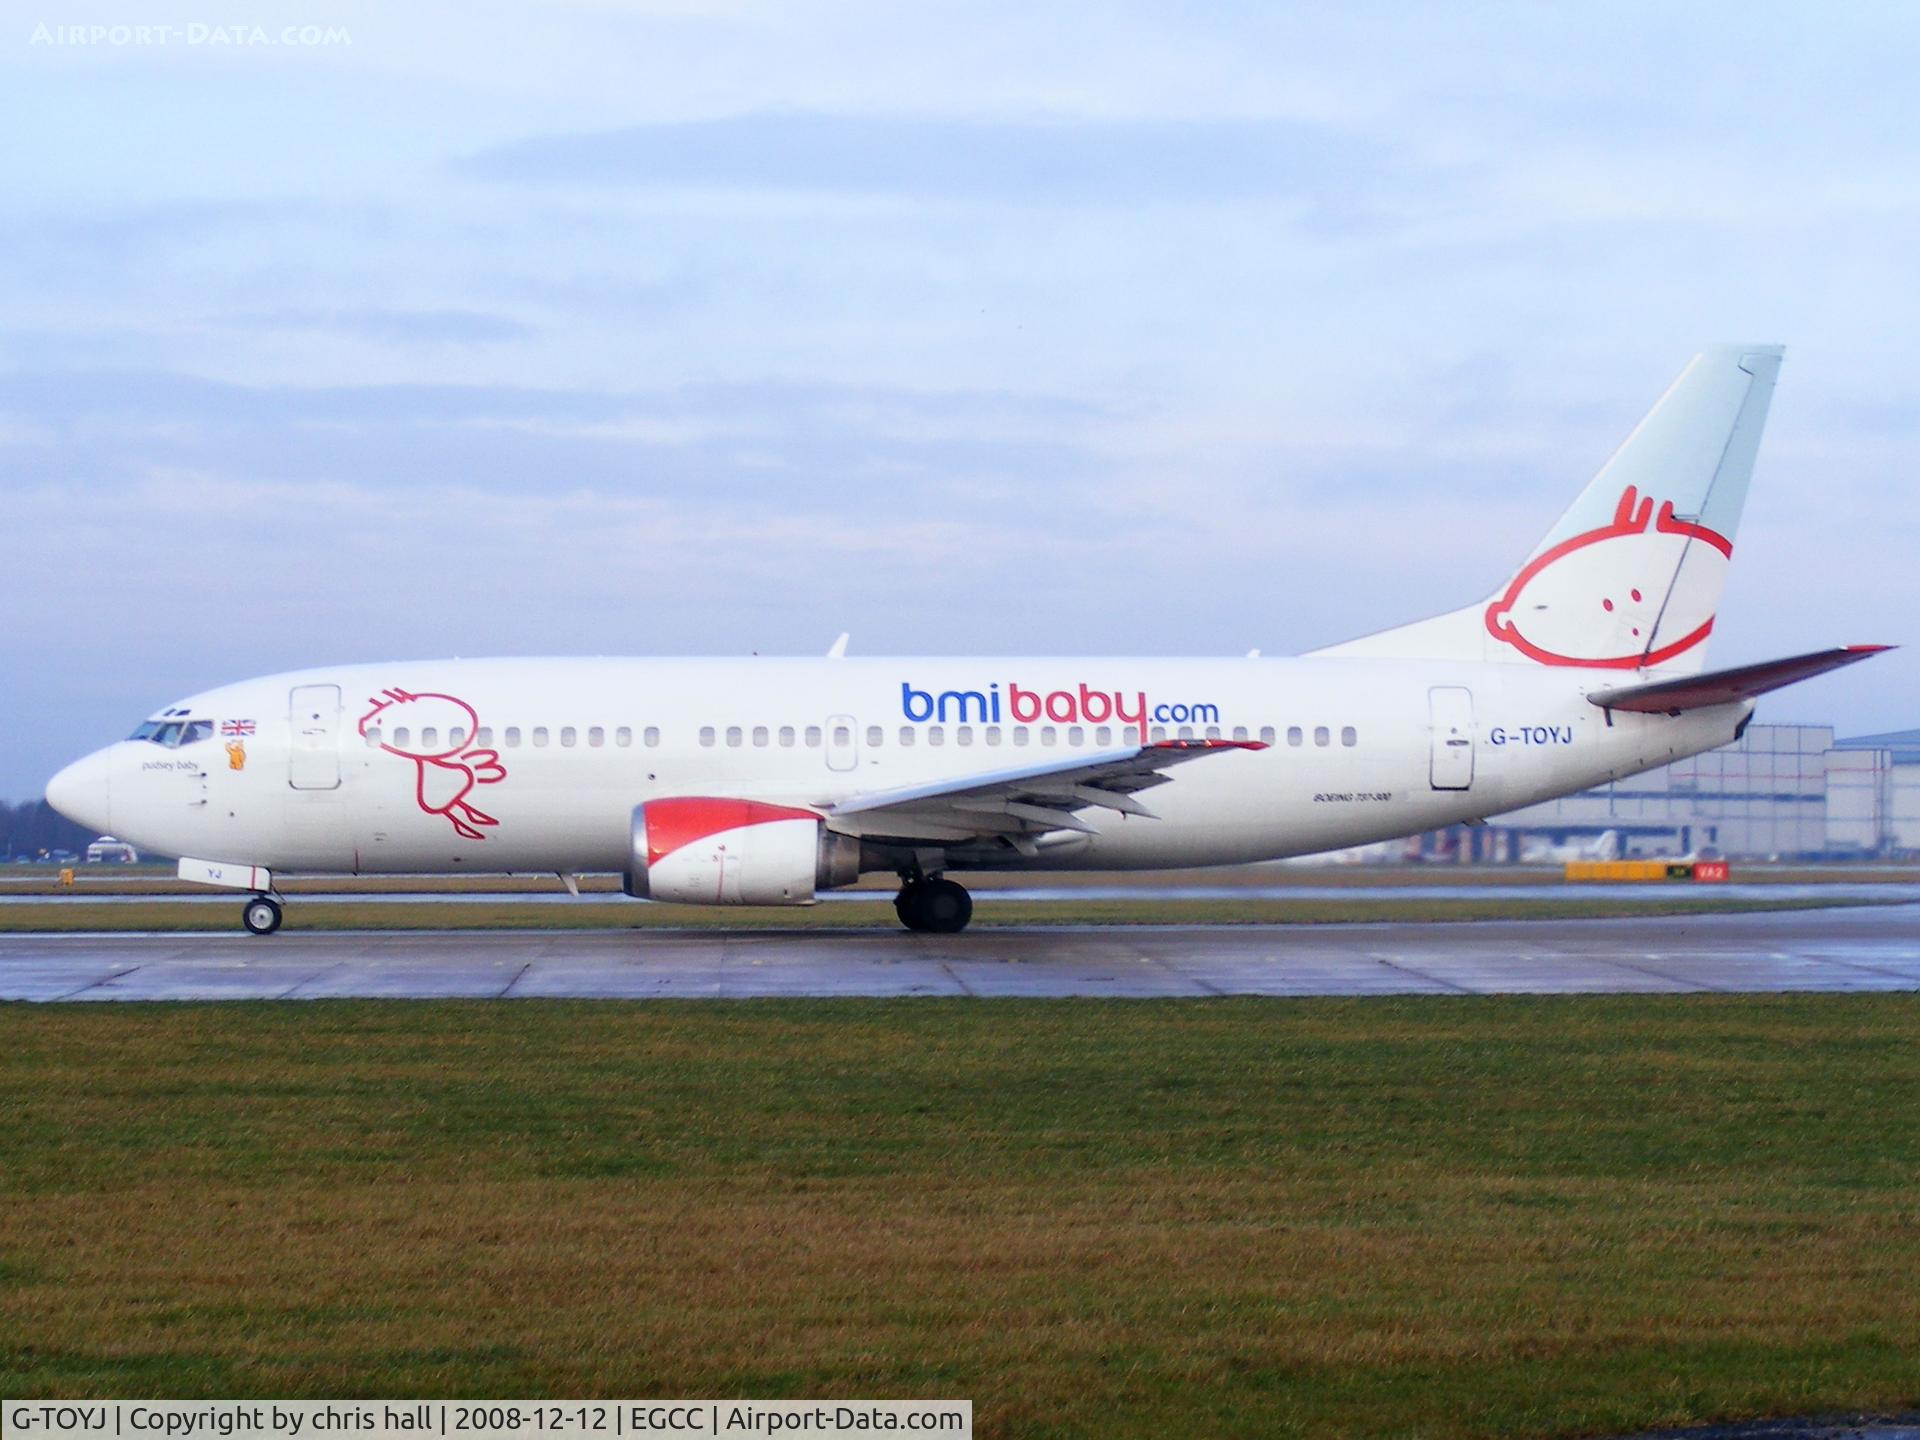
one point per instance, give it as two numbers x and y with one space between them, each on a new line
764 781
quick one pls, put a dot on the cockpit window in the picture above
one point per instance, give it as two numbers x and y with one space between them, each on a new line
174 733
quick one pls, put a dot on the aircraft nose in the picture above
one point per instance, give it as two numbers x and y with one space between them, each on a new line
79 792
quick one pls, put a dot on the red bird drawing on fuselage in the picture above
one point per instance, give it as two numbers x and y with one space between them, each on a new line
436 729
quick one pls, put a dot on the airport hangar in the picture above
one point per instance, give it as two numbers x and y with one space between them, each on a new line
1780 791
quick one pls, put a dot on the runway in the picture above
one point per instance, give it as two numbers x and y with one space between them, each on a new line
1872 948
1575 893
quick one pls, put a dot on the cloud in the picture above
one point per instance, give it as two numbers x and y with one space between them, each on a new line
1042 160
1068 329
450 326
714 444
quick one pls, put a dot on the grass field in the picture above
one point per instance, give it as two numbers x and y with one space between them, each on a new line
590 914
1242 1217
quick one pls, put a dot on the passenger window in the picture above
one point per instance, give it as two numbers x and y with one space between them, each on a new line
1186 732
1266 734
1159 734
1213 732
429 737
734 737
706 735
651 735
963 735
1239 732
786 737
1048 735
1348 736
874 735
483 736
1320 736
993 734
936 735
457 736
596 737
539 736
567 736
373 738
623 737
1294 737
1020 735
1104 735
842 735
760 736
400 737
813 737
513 736
906 734
1076 735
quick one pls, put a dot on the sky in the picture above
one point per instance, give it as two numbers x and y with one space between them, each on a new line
366 331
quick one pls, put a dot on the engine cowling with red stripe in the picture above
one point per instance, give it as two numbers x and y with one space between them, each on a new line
703 850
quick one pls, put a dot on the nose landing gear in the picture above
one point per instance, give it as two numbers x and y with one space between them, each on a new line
261 915
936 906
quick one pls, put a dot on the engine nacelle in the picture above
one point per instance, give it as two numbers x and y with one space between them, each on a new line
698 850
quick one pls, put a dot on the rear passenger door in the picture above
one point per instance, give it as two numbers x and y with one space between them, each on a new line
1450 719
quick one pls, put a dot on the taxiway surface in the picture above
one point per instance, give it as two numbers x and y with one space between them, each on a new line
1862 948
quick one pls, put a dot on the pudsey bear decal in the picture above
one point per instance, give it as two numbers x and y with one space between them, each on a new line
1593 599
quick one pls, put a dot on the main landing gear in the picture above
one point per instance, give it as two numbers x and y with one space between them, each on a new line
261 915
934 905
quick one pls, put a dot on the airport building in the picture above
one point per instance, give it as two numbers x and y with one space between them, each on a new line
1787 791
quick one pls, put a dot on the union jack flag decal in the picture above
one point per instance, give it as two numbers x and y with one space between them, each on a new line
236 727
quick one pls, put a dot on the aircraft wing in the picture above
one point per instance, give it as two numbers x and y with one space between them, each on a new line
1024 802
1723 687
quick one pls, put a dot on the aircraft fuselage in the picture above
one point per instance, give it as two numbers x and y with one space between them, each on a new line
538 765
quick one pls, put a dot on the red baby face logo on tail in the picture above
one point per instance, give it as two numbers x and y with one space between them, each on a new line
1594 599
447 771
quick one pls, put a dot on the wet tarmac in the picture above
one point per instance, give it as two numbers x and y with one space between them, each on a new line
1874 948
1897 1427
1570 894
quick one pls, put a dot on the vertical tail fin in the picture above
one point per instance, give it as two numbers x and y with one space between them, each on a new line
1630 577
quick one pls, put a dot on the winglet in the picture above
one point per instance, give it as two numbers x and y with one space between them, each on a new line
838 650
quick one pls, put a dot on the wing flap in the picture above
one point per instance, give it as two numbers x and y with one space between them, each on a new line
1724 687
1031 800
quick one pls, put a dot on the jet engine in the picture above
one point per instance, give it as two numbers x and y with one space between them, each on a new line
699 850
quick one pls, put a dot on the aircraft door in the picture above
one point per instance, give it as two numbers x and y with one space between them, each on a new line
1450 715
313 757
843 743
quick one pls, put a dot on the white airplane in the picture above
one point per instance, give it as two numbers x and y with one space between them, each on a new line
764 781
1607 845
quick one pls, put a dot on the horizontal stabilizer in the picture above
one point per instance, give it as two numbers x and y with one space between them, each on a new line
1724 687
